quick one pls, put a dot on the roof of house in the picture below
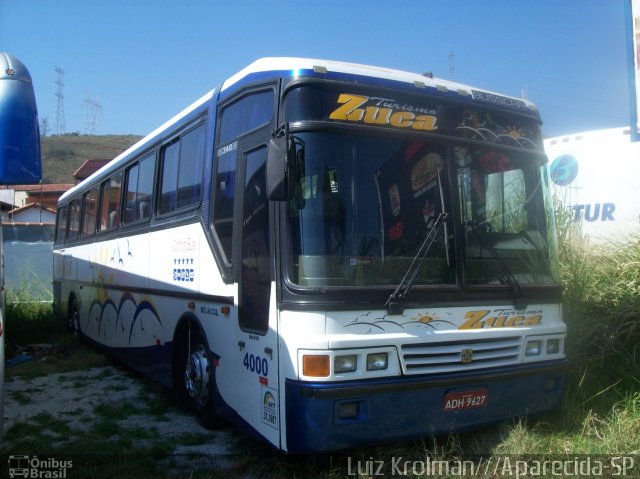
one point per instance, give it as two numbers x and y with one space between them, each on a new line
31 205
44 187
89 167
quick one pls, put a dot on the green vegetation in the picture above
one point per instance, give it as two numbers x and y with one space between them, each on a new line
62 155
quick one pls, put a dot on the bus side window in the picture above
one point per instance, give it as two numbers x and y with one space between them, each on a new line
170 164
182 162
223 200
239 118
139 194
74 219
61 223
89 210
110 202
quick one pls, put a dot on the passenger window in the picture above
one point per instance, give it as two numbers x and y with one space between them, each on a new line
225 178
74 219
110 202
139 196
182 171
190 174
170 163
246 114
89 212
61 223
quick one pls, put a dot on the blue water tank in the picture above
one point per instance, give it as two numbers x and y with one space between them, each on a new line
20 159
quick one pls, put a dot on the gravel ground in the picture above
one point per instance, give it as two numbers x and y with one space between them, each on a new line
78 396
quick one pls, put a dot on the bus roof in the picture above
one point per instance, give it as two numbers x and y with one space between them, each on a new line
292 67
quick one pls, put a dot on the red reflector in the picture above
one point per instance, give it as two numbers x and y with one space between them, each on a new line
264 381
225 310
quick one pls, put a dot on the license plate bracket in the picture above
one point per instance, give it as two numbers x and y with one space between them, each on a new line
463 400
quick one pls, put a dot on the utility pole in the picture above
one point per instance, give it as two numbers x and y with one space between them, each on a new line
93 112
60 126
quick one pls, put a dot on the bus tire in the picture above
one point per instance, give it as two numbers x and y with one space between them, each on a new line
73 317
193 378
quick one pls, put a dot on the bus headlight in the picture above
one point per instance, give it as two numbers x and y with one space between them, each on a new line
553 346
345 364
377 361
533 348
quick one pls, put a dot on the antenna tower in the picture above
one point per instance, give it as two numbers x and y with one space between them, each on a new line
93 113
452 68
60 126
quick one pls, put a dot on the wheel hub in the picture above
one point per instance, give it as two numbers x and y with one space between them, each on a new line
196 375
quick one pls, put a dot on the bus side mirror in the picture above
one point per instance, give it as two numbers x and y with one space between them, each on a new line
279 174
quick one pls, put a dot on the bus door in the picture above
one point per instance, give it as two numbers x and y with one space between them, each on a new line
258 400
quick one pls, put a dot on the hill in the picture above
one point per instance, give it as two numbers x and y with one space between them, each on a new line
62 155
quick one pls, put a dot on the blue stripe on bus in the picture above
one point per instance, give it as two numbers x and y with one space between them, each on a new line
406 411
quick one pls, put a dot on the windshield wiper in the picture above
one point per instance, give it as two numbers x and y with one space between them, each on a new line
519 302
394 304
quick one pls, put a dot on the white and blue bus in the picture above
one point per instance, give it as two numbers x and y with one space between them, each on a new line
327 254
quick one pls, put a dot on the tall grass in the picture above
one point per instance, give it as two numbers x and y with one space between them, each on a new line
601 282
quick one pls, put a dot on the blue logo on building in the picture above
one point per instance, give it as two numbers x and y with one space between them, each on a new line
564 170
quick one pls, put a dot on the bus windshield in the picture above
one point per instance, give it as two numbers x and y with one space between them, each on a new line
363 204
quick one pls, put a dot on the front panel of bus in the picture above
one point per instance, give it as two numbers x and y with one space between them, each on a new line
418 284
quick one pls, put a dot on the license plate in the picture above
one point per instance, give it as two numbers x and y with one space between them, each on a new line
461 400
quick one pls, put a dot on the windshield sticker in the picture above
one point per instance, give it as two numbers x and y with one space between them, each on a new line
412 181
384 112
490 128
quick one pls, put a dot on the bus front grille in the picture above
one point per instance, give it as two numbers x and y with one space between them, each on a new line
463 355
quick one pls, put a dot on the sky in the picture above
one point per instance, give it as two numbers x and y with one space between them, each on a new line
143 61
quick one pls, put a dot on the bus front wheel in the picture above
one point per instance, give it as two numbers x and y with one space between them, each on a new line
194 379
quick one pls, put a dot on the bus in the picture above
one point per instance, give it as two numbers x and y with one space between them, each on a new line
328 255
20 158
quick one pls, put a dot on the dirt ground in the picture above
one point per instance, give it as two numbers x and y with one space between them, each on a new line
82 397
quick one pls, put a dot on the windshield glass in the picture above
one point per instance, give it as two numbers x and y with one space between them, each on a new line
364 204
362 207
503 213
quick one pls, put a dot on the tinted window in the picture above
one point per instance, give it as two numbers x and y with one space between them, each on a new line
139 179
110 202
89 212
245 115
74 219
190 174
170 163
182 171
61 223
224 194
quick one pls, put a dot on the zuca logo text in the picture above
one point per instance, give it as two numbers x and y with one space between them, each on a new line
383 111
501 319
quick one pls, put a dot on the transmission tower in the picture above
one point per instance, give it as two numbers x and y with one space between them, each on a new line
60 126
93 113
452 68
